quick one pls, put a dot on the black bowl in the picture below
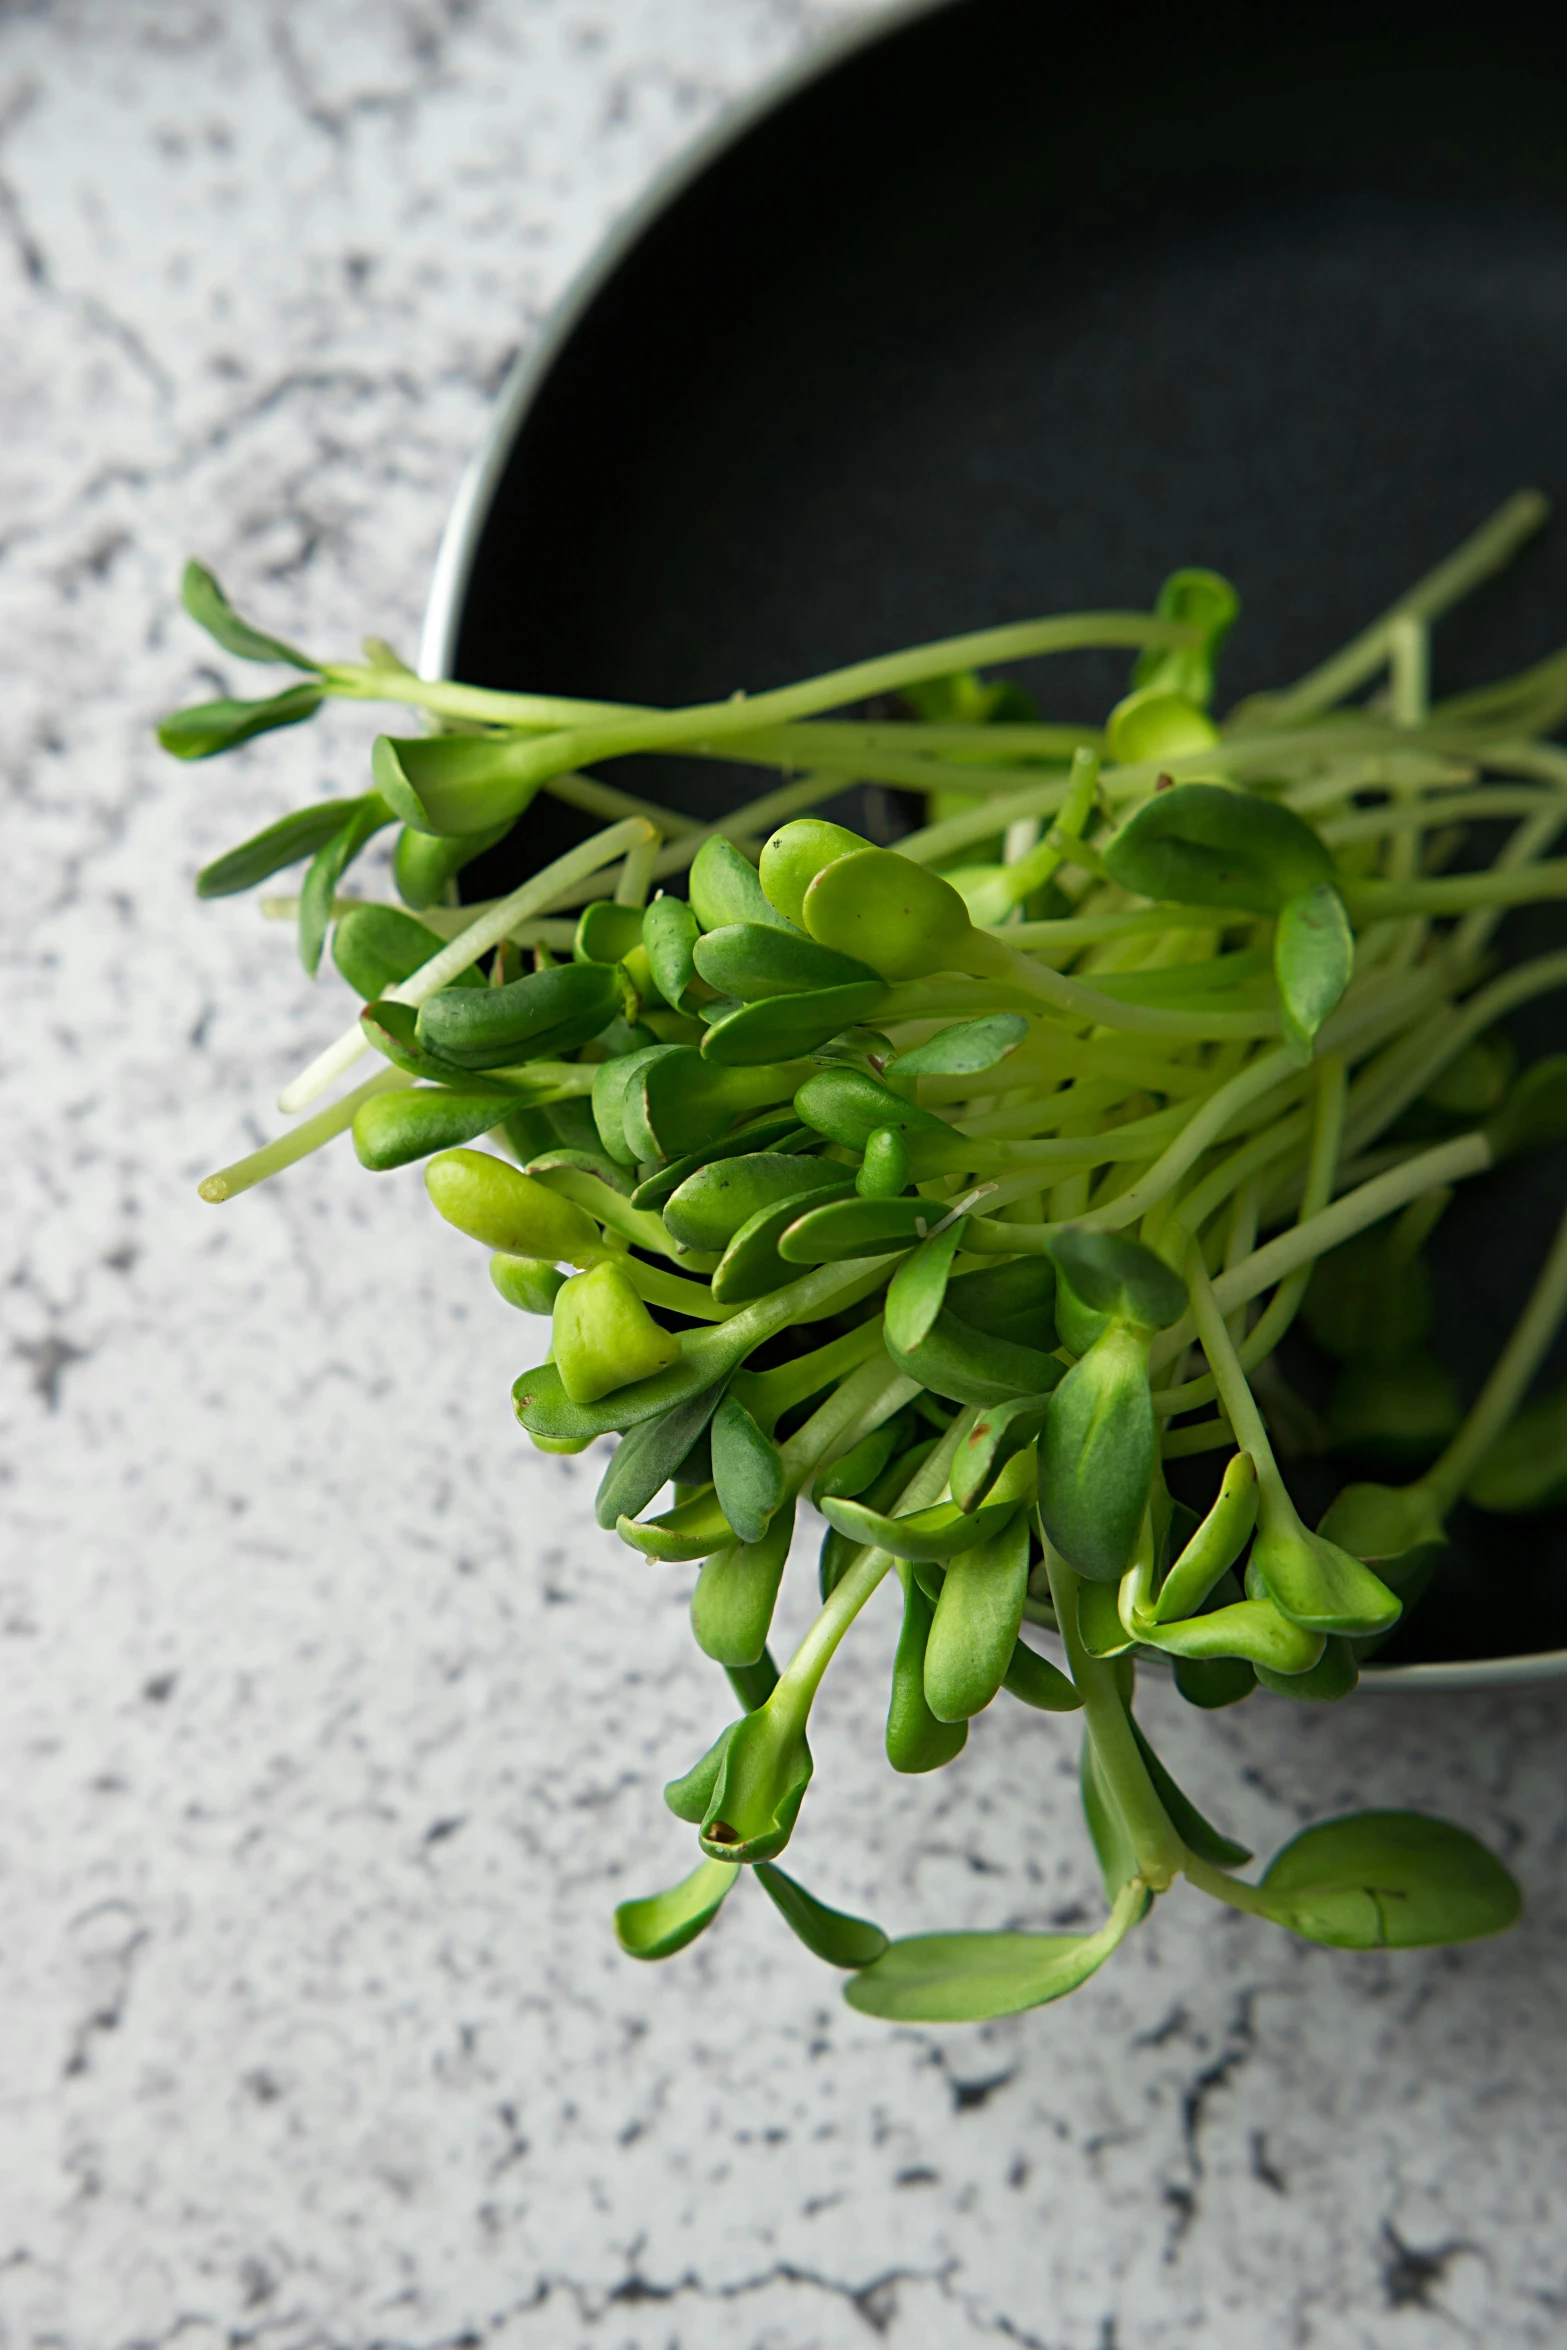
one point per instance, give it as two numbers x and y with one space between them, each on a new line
1005 307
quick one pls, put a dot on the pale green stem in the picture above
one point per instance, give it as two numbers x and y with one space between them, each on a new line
802 1676
298 1144
1234 1892
1234 1394
1160 1853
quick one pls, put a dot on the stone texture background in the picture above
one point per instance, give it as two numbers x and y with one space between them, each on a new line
331 1728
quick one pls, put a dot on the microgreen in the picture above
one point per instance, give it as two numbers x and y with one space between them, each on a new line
999 1158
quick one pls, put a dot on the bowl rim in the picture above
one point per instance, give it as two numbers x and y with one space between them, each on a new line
481 476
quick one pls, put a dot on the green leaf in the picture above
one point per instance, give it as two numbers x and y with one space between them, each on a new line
1535 1112
916 1741
1250 1629
754 1684
210 608
827 1933
761 1784
969 1978
694 1529
689 1796
1001 1430
1313 962
1156 723
363 819
757 961
732 1605
964 1049
209 727
377 947
848 1107
424 864
1200 844
1335 1675
268 852
724 888
748 1474
796 853
1098 1455
543 1014
394 1129
453 783
1316 1583
939 1532
669 936
393 1029
646 1459
781 1131
1199 599
680 1102
1014 1301
1035 1681
1118 1278
751 1266
665 1922
970 1366
1113 1847
778 1028
1214 1682
838 1229
528 1283
713 1203
1215 1546
1184 1817
919 1286
1390 1880
606 932
978 1617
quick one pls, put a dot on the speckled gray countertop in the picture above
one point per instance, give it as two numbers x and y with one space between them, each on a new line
331 1729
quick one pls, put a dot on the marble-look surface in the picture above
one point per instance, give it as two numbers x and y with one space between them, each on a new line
331 1728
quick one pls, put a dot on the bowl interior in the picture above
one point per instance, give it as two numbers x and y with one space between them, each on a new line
1014 310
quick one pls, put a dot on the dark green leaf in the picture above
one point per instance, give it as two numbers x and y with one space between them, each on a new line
939 1532
782 1131
1035 1681
777 1028
856 1471
1118 1278
393 1129
644 1461
732 1605
665 1922
1214 1682
976 1625
1001 1430
543 1014
1200 844
1335 1675
669 936
679 1102
916 1741
393 1029
748 1475
1526 1469
1535 1112
968 1978
970 1366
209 727
843 1228
266 853
689 1796
848 1106
711 1205
751 1266
1313 962
453 783
754 1684
693 1529
724 888
210 608
1098 1455
758 960
1390 1880
827 1933
1015 1301
917 1289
